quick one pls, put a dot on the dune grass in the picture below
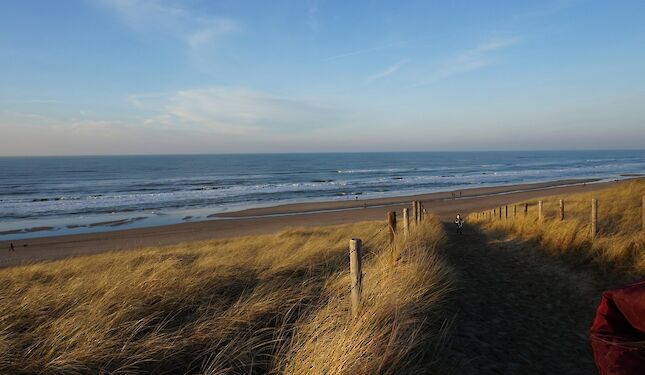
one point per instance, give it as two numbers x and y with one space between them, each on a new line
265 304
620 242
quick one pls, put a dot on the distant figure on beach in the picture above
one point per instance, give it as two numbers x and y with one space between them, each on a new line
460 224
11 248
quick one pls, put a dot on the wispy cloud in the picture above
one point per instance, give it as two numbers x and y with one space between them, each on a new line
312 16
543 10
207 34
192 29
387 71
44 101
235 111
369 49
31 101
469 60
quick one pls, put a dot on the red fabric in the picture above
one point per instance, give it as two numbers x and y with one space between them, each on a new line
618 331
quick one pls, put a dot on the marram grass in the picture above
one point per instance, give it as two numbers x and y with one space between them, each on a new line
265 304
619 245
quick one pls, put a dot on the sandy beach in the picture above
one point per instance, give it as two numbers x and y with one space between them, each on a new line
271 219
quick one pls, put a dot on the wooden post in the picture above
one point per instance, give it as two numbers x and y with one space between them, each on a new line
500 214
414 211
526 209
561 209
540 211
594 218
514 210
391 224
506 212
356 273
643 208
406 221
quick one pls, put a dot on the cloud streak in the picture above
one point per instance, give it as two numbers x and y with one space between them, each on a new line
469 60
387 71
235 111
312 16
193 30
368 50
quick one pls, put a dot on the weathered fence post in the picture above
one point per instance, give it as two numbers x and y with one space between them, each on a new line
561 209
406 221
414 211
514 210
643 208
541 211
526 209
391 224
594 218
506 212
500 213
356 273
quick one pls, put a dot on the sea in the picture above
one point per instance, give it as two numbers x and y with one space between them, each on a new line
46 196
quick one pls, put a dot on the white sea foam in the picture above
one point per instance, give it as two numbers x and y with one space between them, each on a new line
42 196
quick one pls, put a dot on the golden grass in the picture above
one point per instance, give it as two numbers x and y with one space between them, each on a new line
266 304
620 243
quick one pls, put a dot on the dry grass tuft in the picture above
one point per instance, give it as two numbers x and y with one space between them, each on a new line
265 304
399 325
620 243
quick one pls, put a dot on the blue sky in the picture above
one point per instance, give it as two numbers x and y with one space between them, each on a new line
156 76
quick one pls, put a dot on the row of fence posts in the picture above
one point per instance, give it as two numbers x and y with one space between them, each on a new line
416 215
593 232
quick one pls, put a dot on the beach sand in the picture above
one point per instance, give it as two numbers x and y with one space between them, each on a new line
271 219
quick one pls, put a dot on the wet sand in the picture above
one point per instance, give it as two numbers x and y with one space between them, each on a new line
271 219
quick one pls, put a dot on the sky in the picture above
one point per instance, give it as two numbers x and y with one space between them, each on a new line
91 77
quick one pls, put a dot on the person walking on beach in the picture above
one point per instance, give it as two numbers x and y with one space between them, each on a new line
460 224
11 248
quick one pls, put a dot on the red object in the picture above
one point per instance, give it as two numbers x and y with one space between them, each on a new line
618 331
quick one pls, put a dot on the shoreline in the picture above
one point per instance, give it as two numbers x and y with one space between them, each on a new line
121 221
329 206
266 220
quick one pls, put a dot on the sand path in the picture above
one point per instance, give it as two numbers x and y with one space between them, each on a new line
518 311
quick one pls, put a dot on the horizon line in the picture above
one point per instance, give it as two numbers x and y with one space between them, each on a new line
320 152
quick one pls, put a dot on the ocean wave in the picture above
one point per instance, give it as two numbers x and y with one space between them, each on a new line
105 195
